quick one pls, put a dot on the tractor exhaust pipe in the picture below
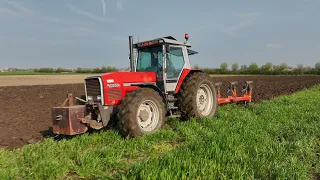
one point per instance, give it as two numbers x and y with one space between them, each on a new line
131 53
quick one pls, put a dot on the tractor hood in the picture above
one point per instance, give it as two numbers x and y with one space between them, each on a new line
110 88
128 77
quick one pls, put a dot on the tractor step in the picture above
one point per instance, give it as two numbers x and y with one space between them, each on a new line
174 116
171 98
173 107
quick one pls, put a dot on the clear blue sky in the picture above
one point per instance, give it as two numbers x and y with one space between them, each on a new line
93 33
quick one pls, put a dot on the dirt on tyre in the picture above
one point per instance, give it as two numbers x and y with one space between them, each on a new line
141 112
197 97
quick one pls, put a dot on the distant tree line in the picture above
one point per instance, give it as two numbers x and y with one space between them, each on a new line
266 69
103 69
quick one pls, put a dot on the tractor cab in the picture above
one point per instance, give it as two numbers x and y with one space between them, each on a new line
165 56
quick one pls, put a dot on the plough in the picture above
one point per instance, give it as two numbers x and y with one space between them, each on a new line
233 98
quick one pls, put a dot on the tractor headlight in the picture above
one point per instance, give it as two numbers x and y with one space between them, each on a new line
89 98
99 97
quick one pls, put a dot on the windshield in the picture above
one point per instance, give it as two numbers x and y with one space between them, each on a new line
149 59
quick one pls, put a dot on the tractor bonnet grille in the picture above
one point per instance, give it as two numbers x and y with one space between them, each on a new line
114 94
93 89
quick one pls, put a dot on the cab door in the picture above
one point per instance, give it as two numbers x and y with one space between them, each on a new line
160 65
152 60
174 65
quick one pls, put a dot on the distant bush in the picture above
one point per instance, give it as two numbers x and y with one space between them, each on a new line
103 69
62 70
45 70
253 69
266 69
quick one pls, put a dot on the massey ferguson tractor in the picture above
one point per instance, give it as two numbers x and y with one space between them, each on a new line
161 84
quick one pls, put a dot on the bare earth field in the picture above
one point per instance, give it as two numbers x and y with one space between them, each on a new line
25 101
20 80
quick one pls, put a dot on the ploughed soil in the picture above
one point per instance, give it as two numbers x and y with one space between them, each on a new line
25 111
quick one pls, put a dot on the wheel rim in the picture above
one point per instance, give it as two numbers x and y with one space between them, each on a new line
204 100
148 115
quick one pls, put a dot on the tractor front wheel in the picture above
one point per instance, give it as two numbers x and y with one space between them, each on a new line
141 112
197 97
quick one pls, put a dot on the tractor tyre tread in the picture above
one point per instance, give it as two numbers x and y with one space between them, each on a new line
127 113
188 92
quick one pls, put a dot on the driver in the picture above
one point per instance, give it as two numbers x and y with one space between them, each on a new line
154 62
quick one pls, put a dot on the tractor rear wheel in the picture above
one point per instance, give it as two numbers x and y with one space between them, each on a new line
197 97
141 112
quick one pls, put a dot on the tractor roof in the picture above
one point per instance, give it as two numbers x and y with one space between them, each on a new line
162 40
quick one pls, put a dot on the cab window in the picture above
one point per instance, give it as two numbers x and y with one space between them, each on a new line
175 62
144 60
149 59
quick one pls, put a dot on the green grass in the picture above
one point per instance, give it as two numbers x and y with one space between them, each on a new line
277 139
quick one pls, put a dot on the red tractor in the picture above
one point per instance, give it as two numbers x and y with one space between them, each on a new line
161 84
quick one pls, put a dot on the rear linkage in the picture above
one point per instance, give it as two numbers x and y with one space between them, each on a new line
233 98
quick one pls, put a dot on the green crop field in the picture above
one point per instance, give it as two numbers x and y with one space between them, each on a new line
277 139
